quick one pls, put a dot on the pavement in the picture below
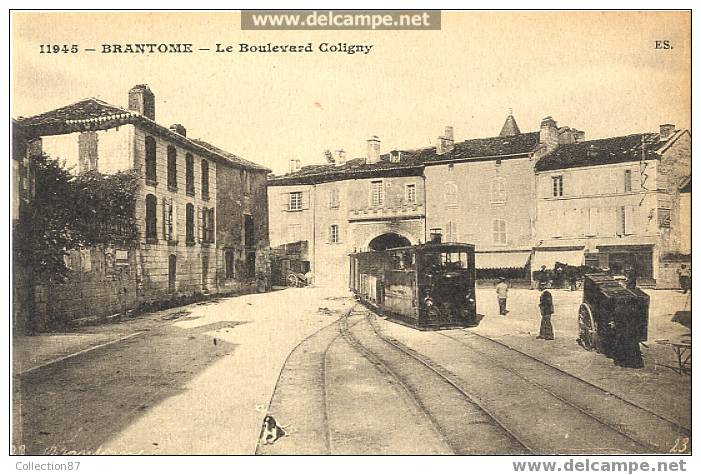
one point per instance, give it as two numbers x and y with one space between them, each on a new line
195 380
199 379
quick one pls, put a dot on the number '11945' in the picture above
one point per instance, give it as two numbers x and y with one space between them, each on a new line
58 49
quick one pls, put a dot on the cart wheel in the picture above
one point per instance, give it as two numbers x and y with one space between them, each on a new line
588 336
292 281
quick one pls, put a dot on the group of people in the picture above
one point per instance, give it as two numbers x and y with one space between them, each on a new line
547 308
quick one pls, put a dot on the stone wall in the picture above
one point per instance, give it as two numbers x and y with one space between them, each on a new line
101 282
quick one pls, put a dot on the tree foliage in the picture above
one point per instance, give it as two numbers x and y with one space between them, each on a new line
69 211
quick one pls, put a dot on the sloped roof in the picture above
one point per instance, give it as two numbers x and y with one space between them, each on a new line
627 148
413 161
230 156
95 114
510 127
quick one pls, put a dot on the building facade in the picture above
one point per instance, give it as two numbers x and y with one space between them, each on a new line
188 199
616 203
478 191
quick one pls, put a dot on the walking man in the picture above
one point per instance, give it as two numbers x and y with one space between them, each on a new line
502 291
546 311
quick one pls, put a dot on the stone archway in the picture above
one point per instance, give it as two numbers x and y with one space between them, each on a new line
388 241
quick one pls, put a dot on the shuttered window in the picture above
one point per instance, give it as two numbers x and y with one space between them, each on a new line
557 183
499 231
189 175
295 203
377 196
150 232
172 168
189 223
150 159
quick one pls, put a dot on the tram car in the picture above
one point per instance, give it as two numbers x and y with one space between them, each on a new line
613 318
428 286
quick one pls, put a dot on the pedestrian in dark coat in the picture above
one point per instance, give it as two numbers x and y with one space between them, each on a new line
546 311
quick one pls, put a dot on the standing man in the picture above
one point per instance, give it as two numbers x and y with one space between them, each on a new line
684 278
502 291
546 311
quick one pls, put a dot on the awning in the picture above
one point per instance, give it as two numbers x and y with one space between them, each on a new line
501 260
549 258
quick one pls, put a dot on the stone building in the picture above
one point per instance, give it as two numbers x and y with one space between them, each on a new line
616 203
200 211
478 191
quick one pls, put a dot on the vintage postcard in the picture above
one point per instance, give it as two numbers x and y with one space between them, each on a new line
352 232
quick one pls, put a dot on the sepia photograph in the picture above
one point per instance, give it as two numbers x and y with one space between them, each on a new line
351 232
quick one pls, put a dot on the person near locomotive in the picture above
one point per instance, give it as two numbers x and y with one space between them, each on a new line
546 311
502 292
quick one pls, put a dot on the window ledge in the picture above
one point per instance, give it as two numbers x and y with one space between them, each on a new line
151 182
172 188
205 197
172 242
190 192
150 240
294 210
189 243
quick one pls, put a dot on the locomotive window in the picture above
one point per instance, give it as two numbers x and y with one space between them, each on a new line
403 260
454 260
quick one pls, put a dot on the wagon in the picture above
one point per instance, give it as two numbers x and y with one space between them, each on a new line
613 319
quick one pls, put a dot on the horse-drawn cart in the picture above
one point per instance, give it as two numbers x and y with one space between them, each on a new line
613 319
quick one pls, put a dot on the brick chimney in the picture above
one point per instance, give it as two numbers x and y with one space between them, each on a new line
549 135
294 165
179 129
340 157
666 131
142 100
373 150
445 142
579 135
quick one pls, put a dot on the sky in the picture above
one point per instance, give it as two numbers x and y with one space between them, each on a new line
594 71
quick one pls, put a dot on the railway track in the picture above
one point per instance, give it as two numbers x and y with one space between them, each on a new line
612 410
466 426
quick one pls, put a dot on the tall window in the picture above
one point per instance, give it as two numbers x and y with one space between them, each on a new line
333 234
247 185
150 217
189 223
557 185
172 168
451 194
207 227
334 200
411 193
499 231
498 190
627 180
377 197
150 159
189 175
205 179
229 264
295 203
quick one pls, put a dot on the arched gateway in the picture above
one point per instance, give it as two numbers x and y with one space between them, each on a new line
388 241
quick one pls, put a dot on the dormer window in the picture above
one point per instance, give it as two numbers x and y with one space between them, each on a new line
395 156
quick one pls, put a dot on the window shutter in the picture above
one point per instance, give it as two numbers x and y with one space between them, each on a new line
165 218
212 237
629 219
635 179
285 201
199 224
306 199
620 212
174 218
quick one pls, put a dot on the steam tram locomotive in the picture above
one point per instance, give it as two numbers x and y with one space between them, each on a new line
428 286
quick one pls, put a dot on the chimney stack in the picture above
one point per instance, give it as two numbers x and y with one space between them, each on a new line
549 133
142 100
294 165
340 157
666 131
179 129
578 135
445 142
373 150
